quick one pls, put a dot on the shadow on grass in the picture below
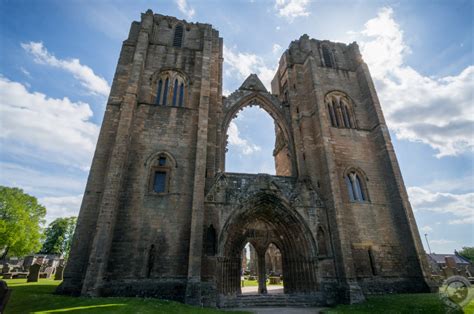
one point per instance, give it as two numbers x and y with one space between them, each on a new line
40 298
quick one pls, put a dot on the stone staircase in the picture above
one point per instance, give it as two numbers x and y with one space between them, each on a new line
273 300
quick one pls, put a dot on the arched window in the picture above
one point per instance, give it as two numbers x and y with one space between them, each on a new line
160 173
171 88
158 92
165 93
340 110
322 242
210 243
178 36
355 187
327 57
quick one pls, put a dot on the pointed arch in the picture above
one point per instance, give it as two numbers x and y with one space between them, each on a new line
340 110
171 87
356 184
261 100
284 227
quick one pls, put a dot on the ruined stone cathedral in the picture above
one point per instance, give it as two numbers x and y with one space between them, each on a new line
161 217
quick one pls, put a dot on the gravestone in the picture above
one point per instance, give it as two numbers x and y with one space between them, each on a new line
59 273
4 295
5 269
34 273
28 261
49 271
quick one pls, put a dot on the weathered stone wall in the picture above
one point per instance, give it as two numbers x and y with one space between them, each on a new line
185 242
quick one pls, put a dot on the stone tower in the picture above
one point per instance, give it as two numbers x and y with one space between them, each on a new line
161 217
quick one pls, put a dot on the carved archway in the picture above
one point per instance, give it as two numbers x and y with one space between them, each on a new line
268 103
267 218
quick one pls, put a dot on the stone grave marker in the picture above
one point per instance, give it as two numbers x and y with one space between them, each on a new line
4 295
59 273
34 273
49 271
5 269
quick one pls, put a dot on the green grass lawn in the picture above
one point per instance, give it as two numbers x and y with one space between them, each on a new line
254 283
39 298
428 303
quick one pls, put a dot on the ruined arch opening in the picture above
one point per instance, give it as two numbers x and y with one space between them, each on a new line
256 143
266 220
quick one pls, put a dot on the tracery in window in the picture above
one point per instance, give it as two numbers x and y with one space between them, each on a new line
171 89
355 187
340 111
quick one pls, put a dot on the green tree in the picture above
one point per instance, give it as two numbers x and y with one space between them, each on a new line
467 252
21 219
58 236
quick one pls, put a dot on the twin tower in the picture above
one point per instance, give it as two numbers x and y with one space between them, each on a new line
161 218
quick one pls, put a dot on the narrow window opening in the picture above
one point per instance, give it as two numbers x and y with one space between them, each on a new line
210 248
349 188
181 94
151 260
178 36
336 116
165 93
322 242
158 93
159 184
360 191
331 115
351 124
346 116
327 57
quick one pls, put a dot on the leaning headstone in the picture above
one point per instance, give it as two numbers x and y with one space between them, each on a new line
4 295
34 273
59 273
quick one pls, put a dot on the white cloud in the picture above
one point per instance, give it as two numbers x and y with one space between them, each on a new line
290 9
436 111
276 48
41 182
185 8
461 206
243 64
241 144
86 76
426 229
61 206
25 72
35 126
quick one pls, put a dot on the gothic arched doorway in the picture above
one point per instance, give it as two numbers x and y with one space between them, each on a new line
263 219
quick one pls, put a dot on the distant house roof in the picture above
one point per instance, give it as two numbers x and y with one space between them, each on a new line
440 258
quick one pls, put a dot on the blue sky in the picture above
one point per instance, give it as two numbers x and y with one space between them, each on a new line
57 61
